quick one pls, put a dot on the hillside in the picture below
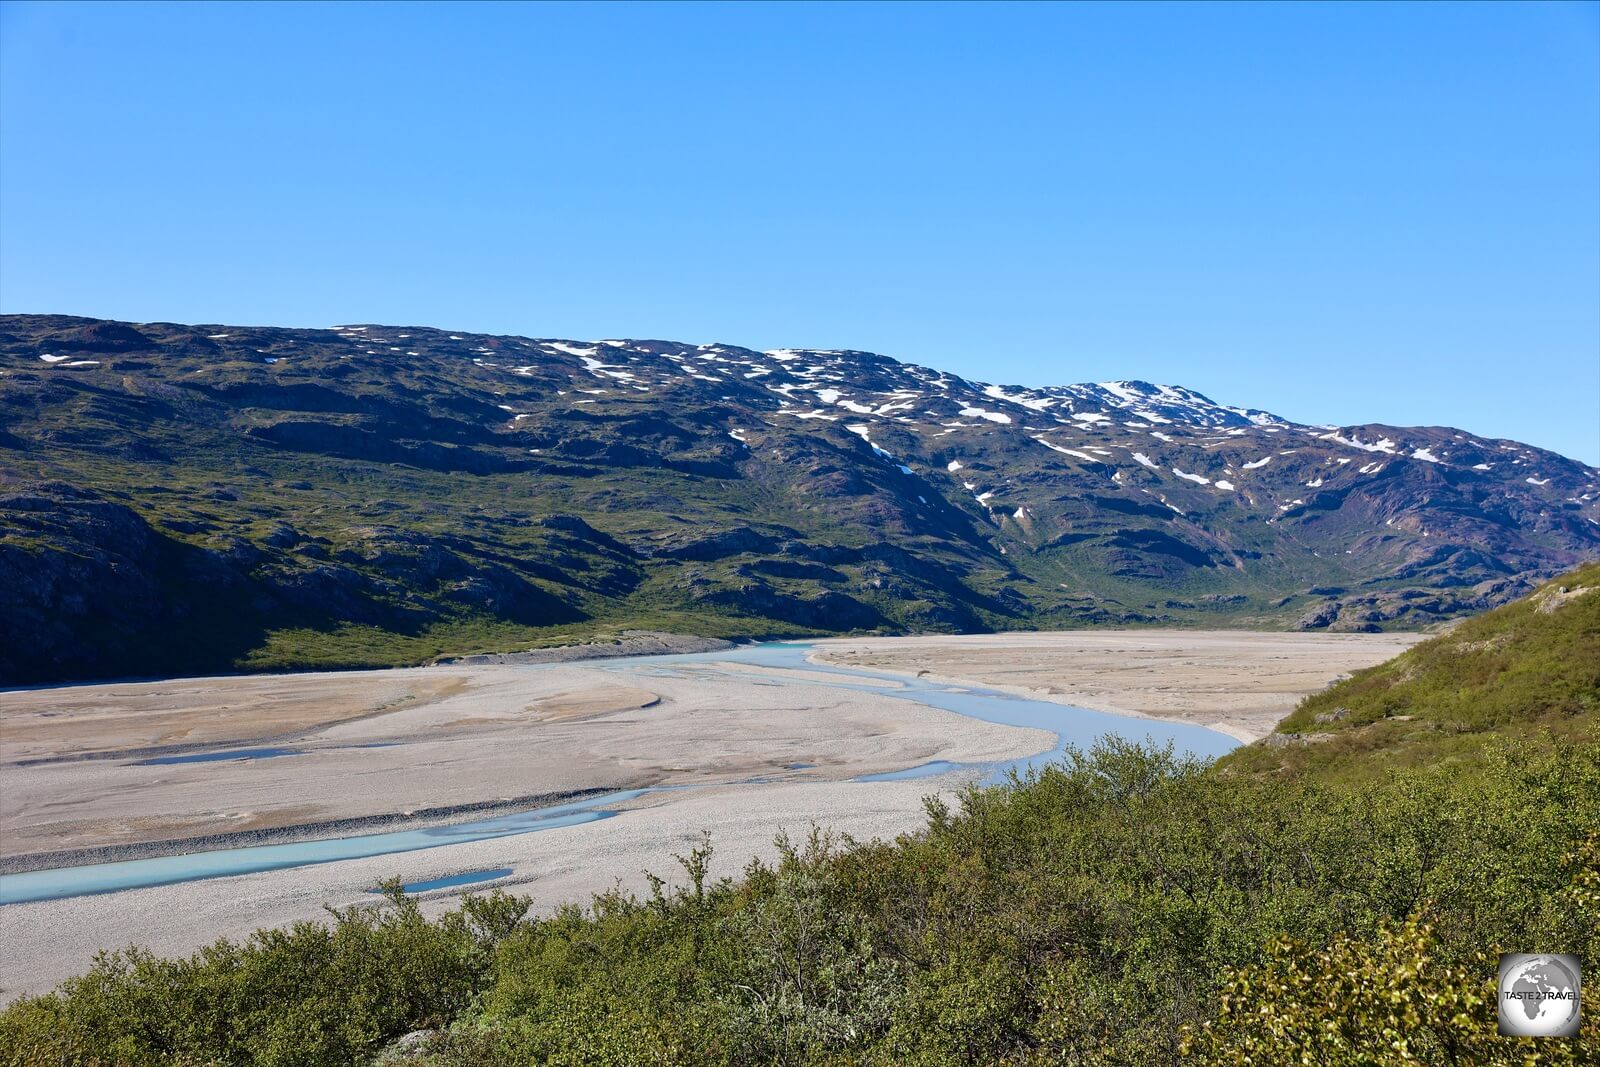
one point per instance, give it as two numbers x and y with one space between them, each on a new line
1530 668
183 498
1120 908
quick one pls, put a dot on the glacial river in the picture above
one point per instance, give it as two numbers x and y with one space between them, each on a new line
1071 726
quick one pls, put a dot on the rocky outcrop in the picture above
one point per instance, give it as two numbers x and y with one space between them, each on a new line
88 588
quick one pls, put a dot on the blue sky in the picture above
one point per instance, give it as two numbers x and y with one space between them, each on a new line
1339 213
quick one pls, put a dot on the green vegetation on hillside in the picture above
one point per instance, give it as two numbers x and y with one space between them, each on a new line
188 500
1530 669
1124 907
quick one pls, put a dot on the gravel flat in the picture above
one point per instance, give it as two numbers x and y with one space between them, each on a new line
1238 682
456 736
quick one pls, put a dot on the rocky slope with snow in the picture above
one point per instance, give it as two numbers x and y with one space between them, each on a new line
204 497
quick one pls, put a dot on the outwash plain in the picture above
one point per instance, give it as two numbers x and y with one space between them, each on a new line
764 750
1235 682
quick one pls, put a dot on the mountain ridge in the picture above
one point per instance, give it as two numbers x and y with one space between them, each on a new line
387 494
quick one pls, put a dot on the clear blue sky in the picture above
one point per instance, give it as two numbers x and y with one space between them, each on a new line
1340 213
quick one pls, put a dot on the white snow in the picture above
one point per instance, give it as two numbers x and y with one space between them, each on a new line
1035 403
217 336
1315 483
1159 436
1090 416
1254 464
982 497
953 465
1222 484
1067 451
1146 461
980 413
1291 504
55 359
1482 467
862 431
1530 479
1122 392
829 396
1424 455
1382 445
1191 477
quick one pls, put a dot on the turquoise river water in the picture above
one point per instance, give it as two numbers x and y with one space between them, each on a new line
1071 726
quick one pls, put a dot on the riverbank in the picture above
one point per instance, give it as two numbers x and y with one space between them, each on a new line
764 751
1241 683
767 743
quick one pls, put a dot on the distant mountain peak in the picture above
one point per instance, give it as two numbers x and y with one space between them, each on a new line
393 478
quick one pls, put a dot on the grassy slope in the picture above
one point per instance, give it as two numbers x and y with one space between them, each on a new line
1121 908
1530 669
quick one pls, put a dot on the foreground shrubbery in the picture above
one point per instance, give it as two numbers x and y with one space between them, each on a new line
1108 910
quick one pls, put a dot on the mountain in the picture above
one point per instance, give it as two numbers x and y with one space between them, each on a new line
181 498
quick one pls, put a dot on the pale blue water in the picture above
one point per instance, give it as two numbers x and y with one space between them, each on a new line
925 770
165 870
452 880
215 757
1071 726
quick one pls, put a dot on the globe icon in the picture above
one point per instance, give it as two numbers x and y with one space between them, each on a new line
1539 996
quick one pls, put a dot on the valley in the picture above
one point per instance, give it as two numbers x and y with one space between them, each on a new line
639 756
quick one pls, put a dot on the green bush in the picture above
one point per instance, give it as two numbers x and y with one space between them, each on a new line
1096 911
